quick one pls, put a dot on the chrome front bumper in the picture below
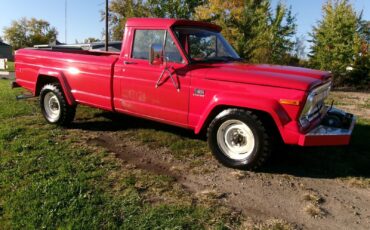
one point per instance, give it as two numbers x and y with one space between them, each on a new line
326 134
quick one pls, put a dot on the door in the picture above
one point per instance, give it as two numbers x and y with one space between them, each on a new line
141 91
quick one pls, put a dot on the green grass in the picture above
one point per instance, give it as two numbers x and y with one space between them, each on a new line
51 180
10 66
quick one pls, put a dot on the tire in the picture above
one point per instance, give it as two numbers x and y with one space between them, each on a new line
238 139
54 106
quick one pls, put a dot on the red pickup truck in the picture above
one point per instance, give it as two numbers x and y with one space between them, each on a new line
184 73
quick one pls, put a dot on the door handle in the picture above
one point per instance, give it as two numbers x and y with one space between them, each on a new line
129 62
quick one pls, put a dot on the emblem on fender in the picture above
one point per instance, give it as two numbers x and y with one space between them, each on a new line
199 92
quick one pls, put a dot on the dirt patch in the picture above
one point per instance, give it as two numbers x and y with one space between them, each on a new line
355 102
308 203
137 157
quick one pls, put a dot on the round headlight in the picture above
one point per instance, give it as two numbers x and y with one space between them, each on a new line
306 110
308 106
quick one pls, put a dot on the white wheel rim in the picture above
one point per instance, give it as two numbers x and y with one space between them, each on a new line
235 139
52 107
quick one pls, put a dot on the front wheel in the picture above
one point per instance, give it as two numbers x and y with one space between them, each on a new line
238 139
54 106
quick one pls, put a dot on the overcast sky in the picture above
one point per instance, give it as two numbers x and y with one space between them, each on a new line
83 16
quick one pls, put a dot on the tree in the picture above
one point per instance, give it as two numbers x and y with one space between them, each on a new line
223 13
361 65
173 8
120 11
258 33
29 32
281 28
1 39
339 41
299 49
365 30
91 40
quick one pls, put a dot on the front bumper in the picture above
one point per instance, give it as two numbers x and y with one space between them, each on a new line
327 134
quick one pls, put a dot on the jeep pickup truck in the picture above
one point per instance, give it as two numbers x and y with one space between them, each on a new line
184 73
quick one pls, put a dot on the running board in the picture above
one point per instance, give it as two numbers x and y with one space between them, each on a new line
24 96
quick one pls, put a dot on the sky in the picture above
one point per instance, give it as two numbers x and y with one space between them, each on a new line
309 12
83 16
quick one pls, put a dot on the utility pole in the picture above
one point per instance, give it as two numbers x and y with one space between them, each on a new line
106 24
65 18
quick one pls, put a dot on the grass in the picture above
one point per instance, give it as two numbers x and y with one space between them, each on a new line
358 182
356 100
314 201
313 210
10 66
313 198
51 180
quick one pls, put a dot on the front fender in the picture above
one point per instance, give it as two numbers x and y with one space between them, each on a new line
47 73
270 106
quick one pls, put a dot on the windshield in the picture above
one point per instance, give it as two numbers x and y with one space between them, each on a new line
205 45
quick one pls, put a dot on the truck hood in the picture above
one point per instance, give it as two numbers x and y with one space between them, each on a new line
269 75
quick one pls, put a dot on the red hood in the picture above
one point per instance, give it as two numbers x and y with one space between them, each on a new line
271 75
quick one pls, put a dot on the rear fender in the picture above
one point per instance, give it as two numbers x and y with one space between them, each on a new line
60 77
269 106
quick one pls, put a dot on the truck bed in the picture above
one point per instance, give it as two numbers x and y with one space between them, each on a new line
74 50
87 74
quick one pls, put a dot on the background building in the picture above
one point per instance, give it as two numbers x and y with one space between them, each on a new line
6 51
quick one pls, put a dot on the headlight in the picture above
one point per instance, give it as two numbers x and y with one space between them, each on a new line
303 119
314 104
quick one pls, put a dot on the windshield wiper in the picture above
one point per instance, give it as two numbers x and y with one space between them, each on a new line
221 59
229 58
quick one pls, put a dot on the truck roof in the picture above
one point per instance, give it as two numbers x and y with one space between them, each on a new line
168 23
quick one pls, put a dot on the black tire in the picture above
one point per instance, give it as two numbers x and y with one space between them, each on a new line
66 112
260 150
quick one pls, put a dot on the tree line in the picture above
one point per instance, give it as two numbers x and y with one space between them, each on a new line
259 32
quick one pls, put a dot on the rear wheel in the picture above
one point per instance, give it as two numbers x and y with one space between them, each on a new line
238 139
54 106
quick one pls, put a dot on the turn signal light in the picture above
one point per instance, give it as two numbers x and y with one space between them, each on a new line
289 102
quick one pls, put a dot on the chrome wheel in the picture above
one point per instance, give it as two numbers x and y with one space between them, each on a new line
52 107
235 139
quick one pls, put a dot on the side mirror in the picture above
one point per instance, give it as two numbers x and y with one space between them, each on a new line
156 54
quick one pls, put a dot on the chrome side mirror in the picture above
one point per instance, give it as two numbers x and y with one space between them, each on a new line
156 54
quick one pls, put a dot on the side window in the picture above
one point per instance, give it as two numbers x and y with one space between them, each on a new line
172 53
145 38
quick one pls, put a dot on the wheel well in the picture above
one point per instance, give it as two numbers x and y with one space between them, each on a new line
265 117
43 80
